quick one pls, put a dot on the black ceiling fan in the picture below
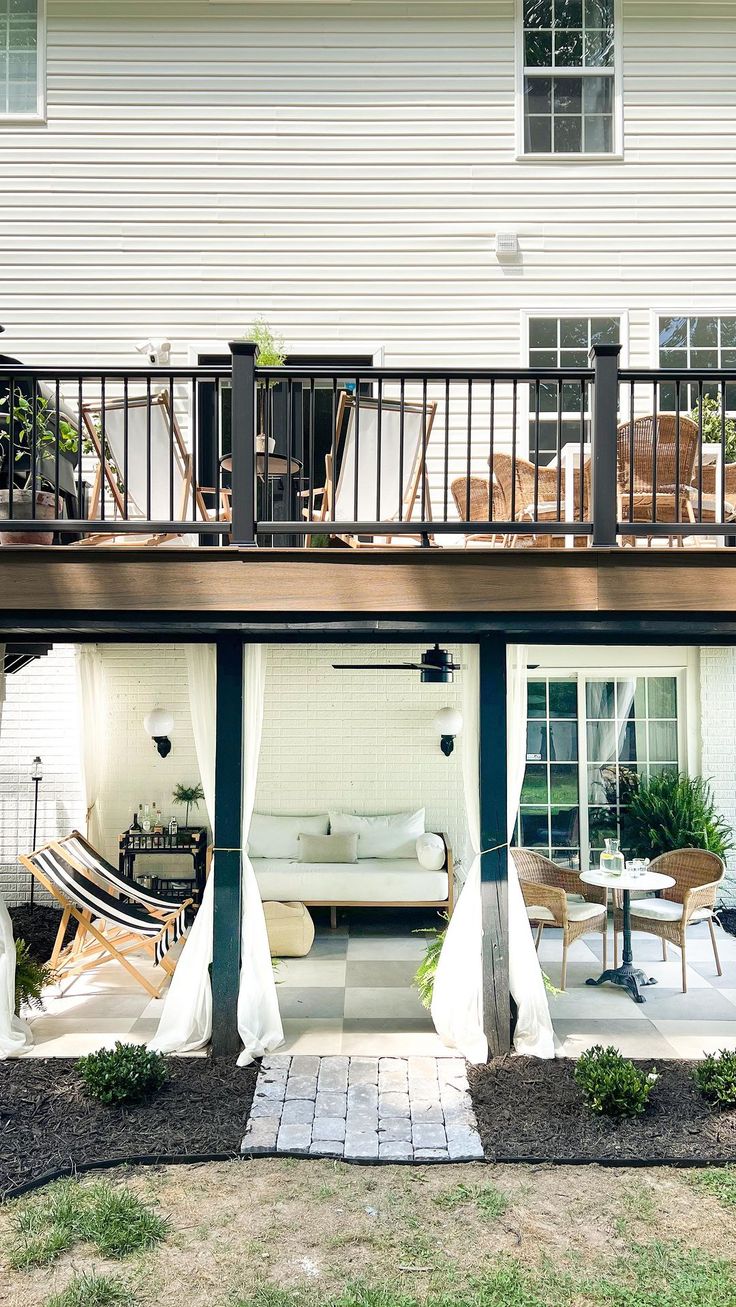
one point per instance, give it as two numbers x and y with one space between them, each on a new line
436 667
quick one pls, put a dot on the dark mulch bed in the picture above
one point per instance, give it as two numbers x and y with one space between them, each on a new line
47 1123
529 1109
38 926
727 918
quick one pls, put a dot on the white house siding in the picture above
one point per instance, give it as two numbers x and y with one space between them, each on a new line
342 169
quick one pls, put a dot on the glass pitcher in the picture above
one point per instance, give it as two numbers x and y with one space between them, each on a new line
612 859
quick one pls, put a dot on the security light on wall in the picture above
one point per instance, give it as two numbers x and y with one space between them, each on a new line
160 724
448 723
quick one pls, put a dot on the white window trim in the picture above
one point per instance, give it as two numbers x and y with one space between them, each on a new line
617 154
38 116
561 662
575 312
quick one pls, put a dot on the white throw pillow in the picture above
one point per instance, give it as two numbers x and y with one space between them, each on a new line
392 836
431 851
278 837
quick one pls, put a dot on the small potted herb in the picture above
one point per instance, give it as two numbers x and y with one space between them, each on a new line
271 354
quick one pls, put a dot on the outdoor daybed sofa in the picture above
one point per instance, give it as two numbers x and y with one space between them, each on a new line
338 860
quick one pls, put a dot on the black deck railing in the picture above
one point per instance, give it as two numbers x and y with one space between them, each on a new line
488 457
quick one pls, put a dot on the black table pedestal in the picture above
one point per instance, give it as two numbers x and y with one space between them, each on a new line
627 976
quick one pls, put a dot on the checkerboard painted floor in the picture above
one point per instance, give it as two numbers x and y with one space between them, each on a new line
353 996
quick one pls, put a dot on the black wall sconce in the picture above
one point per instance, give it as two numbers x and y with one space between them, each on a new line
448 723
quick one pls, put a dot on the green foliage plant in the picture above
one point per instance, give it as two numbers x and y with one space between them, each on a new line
113 1219
127 1073
31 977
611 1085
674 811
714 427
715 1077
189 795
271 348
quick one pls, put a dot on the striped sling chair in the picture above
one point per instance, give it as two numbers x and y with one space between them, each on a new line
108 927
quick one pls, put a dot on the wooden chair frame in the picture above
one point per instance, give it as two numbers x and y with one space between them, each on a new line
94 943
181 457
328 492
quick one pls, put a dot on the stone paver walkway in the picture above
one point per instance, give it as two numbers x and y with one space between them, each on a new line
367 1109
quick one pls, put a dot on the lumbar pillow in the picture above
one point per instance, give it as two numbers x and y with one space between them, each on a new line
328 848
278 837
431 851
391 836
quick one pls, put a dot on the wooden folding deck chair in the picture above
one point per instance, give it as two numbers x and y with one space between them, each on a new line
389 479
108 927
146 467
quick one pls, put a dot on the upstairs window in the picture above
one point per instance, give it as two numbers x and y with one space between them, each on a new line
698 342
569 79
20 58
563 343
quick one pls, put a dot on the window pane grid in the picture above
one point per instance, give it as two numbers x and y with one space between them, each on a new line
699 342
630 732
18 56
568 45
563 343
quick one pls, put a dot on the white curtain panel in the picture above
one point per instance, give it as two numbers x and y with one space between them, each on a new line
91 701
202 677
259 1020
186 1020
15 1035
457 1005
533 1034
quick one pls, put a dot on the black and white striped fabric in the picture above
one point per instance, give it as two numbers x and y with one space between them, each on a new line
82 851
87 895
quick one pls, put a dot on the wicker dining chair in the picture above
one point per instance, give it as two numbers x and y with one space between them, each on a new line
705 504
697 875
475 502
659 475
555 896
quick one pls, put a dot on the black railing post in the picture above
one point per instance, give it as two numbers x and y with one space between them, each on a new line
243 477
604 492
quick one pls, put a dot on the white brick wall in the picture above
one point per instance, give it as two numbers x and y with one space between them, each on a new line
357 740
718 741
40 716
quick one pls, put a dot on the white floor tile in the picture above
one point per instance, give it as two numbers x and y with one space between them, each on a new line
383 1003
402 1043
693 1039
318 1036
312 972
393 948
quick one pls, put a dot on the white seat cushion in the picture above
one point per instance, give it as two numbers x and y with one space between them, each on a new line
370 880
577 910
665 910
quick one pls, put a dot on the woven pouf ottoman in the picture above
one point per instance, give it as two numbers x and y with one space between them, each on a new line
290 929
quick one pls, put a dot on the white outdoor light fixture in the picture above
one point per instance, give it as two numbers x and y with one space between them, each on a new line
160 724
448 723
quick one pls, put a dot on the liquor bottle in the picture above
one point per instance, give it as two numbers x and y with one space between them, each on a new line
173 827
146 817
135 825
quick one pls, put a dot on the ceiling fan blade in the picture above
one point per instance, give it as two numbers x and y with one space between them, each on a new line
377 667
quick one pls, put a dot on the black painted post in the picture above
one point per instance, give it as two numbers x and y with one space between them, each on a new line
493 835
604 439
228 840
243 480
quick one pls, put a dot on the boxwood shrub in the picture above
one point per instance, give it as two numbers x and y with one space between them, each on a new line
611 1084
715 1077
126 1073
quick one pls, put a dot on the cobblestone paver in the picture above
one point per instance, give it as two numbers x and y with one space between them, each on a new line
368 1109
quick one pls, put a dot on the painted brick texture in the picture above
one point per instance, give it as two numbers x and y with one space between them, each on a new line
718 741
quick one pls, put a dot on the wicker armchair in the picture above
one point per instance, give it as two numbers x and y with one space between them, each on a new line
660 474
555 896
476 503
692 898
706 506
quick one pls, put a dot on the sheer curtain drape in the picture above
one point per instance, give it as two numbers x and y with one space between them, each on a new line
15 1036
457 1005
259 1021
186 1020
91 707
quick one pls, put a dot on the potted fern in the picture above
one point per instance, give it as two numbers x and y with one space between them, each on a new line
31 977
35 427
674 811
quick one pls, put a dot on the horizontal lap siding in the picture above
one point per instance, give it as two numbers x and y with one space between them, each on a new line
342 169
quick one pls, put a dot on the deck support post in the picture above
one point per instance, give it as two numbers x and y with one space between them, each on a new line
228 843
604 491
243 435
493 837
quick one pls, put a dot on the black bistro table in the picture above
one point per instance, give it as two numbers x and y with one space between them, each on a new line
190 840
627 976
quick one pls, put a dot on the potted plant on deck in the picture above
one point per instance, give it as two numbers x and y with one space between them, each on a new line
37 428
271 354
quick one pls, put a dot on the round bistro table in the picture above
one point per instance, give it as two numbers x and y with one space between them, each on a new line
627 976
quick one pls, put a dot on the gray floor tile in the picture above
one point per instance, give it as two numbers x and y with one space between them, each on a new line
382 974
696 1005
632 1038
318 1002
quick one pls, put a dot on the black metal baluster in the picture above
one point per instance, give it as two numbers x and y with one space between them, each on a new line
469 449
425 488
379 435
35 397
171 453
126 448
723 450
357 449
402 428
331 483
57 448
655 450
700 449
583 410
491 452
312 431
536 449
558 442
514 418
148 448
82 511
447 449
103 446
678 470
193 458
11 448
632 419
